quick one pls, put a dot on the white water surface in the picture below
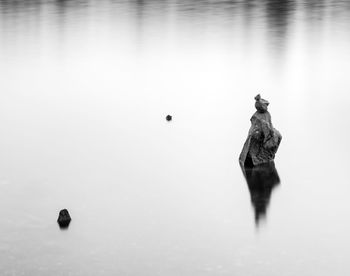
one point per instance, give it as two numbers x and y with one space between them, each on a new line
84 90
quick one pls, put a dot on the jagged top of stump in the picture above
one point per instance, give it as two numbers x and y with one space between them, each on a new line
261 104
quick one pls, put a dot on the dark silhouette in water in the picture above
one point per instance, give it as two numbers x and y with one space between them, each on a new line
261 180
64 219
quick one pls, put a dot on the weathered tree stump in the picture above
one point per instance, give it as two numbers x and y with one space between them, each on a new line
263 139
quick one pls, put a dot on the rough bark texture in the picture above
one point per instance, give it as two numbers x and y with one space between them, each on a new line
263 139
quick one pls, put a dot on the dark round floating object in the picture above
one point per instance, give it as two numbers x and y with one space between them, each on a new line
169 117
64 218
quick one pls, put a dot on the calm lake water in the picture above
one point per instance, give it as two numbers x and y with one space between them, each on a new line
84 90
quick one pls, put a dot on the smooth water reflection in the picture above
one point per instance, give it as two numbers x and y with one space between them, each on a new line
261 181
84 90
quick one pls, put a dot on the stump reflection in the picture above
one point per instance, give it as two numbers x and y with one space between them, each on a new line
261 181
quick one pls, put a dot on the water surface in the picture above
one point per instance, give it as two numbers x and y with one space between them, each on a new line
84 90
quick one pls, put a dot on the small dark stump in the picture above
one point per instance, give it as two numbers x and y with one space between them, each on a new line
64 218
169 118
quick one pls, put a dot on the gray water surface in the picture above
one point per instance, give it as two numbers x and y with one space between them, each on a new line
84 90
